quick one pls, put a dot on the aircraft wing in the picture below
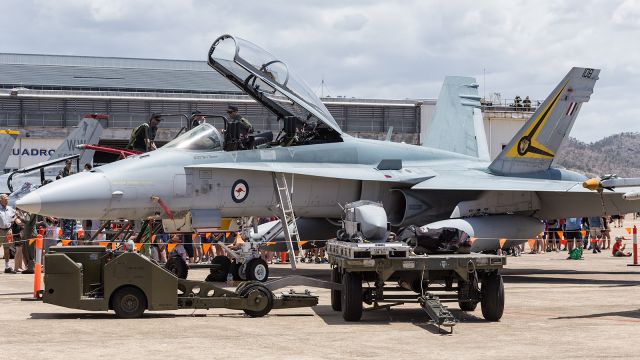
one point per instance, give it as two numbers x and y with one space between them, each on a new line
329 170
476 180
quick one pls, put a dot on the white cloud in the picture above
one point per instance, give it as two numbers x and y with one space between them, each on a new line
370 48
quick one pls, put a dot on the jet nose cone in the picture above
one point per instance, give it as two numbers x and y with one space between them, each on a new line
80 196
30 203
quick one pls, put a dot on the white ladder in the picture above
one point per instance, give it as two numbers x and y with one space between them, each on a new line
286 216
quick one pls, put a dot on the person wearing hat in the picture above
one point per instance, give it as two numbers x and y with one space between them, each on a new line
235 116
618 248
197 119
66 170
142 138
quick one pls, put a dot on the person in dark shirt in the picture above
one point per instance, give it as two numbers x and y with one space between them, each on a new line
197 119
66 170
143 137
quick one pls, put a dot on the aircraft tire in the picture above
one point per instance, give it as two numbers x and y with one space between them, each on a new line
265 293
336 295
351 296
129 302
257 270
177 266
219 273
492 297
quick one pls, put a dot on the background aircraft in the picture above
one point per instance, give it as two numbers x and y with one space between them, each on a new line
7 139
88 131
447 184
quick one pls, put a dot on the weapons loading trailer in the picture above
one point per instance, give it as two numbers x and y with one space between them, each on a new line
96 279
377 264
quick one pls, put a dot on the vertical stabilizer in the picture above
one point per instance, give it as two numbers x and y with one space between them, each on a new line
457 121
535 145
7 139
88 131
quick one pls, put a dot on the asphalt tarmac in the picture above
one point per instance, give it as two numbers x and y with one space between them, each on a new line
555 308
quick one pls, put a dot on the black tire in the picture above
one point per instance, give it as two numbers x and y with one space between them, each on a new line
177 266
257 270
492 297
129 302
465 305
264 295
336 295
351 296
235 271
219 273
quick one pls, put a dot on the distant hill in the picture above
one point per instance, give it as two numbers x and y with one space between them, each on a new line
615 154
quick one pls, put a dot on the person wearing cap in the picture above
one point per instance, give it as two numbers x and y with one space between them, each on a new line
66 170
142 138
197 119
235 116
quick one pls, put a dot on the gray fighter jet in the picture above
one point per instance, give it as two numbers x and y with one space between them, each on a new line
196 179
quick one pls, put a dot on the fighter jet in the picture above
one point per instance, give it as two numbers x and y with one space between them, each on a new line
88 131
196 179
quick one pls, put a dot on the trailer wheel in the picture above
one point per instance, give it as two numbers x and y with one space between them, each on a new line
177 266
351 296
257 270
129 302
219 273
336 300
492 297
258 294
466 291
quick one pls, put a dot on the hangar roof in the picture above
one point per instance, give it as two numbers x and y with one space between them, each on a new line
66 72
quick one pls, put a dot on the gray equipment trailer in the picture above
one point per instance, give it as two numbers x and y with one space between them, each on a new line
96 279
425 279
362 254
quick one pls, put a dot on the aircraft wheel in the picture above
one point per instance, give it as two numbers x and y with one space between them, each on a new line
177 266
129 302
492 297
257 270
257 294
235 271
336 300
351 296
220 272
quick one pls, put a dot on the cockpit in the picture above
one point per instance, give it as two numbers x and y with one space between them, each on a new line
304 118
204 137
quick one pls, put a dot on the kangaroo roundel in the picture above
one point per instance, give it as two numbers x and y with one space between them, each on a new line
239 191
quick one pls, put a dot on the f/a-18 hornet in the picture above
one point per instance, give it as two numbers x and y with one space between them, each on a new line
449 183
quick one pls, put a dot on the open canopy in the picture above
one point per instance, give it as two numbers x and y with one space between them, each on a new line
268 80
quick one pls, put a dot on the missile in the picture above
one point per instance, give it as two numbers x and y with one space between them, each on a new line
631 195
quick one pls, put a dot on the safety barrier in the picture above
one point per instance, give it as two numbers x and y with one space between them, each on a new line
635 247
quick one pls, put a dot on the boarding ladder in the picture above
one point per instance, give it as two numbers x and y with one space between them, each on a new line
286 216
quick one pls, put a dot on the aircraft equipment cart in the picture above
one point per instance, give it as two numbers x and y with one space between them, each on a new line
393 274
97 279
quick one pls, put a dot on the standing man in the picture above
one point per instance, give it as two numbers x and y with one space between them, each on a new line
197 119
67 224
66 170
235 116
143 137
7 216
